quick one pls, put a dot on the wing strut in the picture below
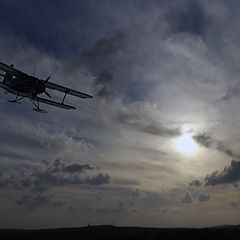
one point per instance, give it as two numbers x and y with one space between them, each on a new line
64 96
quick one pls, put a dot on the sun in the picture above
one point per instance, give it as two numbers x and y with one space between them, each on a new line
186 144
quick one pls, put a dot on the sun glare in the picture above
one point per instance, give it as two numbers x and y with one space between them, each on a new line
186 145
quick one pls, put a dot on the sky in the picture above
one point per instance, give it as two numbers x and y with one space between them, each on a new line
157 146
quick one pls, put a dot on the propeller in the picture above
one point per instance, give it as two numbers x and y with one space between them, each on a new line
47 79
47 94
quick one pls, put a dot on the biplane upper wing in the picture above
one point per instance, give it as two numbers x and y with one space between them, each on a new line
67 90
12 71
50 102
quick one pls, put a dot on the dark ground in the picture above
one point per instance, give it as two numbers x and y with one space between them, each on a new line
123 233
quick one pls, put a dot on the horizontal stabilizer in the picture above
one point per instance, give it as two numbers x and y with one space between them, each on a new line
59 88
50 102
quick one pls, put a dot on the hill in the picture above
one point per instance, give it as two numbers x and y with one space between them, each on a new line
124 233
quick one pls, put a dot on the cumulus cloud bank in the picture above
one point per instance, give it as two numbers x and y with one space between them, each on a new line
230 174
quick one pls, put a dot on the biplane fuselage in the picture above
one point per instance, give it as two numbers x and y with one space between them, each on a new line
27 87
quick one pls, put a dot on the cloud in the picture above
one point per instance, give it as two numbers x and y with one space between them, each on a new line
32 201
120 207
187 198
136 193
70 27
29 140
236 185
229 174
104 82
115 208
120 92
144 124
147 198
97 180
76 168
188 16
102 60
232 91
103 49
176 211
234 204
195 183
140 117
49 175
203 197
208 141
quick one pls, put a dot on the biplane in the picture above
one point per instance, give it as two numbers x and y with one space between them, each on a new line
26 86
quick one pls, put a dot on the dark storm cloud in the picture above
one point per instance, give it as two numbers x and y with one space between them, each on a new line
187 198
105 49
34 31
81 22
188 16
69 26
203 197
207 141
102 60
49 175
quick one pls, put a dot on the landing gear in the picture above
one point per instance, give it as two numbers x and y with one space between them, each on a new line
39 110
37 105
17 99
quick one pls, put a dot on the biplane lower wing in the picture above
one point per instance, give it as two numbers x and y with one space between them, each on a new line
50 102
70 91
